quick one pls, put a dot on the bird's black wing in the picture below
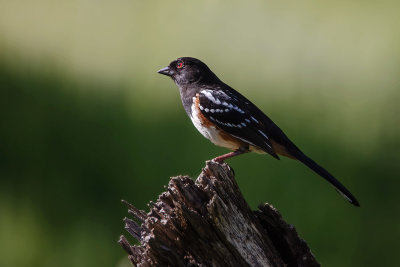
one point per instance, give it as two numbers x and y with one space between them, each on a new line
236 117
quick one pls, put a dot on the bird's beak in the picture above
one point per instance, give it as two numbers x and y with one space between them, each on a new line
166 71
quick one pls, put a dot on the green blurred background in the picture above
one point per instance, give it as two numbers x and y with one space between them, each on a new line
86 120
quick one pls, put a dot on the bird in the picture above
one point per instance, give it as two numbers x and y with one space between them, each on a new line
228 119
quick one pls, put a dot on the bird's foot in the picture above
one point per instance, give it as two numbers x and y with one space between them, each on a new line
221 158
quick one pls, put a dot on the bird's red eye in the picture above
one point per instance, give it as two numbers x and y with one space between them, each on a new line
179 65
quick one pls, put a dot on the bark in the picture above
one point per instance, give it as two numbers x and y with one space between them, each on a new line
207 222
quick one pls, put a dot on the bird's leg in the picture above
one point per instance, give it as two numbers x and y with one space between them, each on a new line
240 151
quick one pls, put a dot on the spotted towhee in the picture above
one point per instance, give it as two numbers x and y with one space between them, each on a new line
230 120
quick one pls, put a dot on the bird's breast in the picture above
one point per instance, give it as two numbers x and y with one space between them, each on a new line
210 131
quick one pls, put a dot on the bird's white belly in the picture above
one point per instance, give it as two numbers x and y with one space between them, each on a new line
210 132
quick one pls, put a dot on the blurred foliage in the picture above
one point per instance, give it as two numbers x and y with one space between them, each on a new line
85 120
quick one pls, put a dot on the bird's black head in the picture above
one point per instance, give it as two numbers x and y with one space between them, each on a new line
187 70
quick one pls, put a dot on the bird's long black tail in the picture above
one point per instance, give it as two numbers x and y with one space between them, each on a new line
325 174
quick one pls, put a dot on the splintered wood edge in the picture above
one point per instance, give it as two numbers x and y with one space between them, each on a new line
216 197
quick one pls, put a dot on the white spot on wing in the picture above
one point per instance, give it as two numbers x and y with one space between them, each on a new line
254 119
215 100
238 109
208 94
261 132
210 97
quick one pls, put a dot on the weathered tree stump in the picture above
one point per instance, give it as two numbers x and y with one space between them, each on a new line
208 223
